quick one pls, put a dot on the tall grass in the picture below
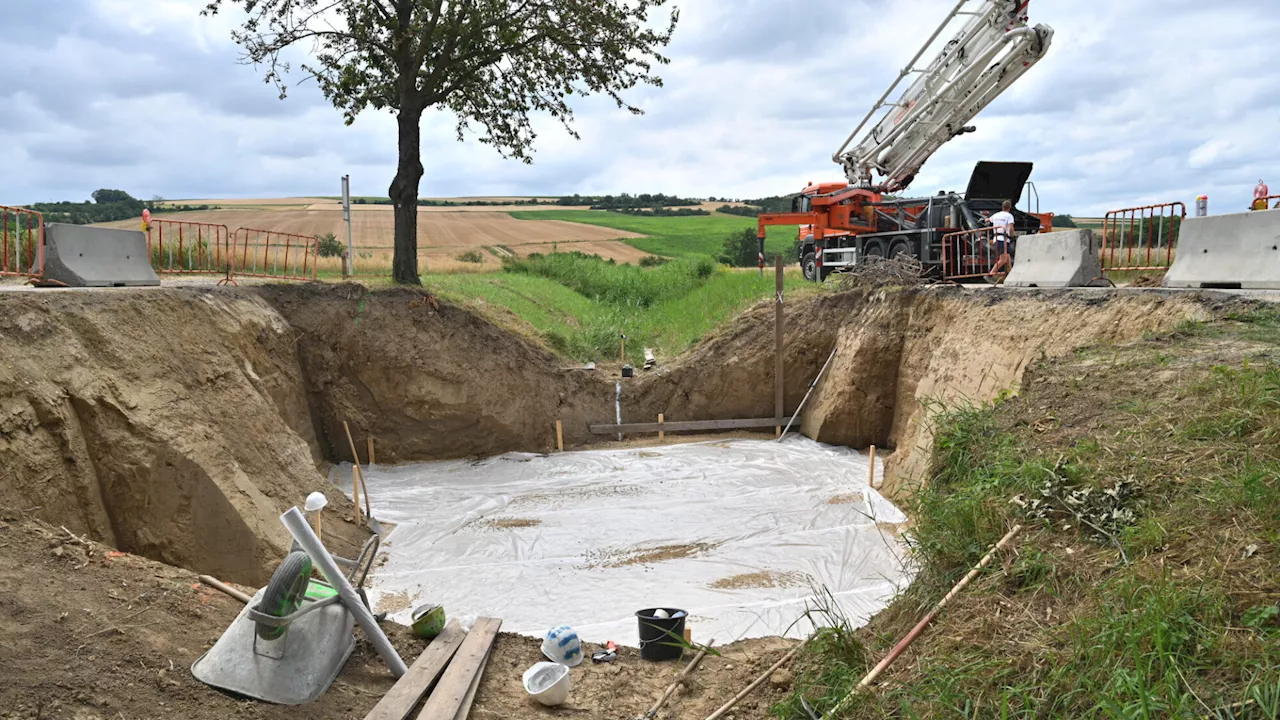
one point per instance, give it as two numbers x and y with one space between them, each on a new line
608 282
582 328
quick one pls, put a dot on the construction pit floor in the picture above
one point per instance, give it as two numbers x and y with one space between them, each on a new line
738 533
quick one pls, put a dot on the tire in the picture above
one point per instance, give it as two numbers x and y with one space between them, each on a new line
901 246
285 592
810 266
874 248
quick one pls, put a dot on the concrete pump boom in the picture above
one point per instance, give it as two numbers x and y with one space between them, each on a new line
994 49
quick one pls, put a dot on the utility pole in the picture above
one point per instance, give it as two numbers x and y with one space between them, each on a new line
346 215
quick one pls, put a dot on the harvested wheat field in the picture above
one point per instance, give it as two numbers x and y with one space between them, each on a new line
441 235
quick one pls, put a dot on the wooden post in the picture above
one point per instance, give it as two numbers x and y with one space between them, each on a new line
559 436
777 352
662 434
622 351
871 478
355 472
371 460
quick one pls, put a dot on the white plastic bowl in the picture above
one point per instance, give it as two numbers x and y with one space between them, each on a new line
548 683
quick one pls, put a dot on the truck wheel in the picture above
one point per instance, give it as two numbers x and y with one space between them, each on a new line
874 248
901 246
810 266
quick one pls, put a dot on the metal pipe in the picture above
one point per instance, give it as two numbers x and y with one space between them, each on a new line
296 524
617 402
816 380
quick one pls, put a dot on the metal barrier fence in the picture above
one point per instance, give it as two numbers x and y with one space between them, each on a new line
22 235
267 253
969 254
1266 203
189 248
1141 238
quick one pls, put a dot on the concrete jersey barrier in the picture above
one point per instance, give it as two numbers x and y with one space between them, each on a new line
84 256
1053 260
1228 251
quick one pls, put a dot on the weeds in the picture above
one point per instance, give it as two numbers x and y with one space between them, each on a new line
1182 477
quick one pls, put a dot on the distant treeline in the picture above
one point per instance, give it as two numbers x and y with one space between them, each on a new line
658 211
106 206
643 201
753 208
453 203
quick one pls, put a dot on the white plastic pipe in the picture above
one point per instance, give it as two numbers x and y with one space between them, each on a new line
617 403
296 524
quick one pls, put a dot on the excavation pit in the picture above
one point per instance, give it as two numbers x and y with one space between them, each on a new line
611 531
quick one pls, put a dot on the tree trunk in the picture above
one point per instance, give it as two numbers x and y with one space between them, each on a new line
404 195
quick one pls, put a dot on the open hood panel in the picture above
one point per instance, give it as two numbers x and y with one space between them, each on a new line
998 181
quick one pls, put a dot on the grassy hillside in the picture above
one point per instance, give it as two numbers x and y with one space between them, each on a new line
667 308
672 236
1147 583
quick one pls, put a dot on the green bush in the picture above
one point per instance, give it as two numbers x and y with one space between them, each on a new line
329 246
471 256
653 261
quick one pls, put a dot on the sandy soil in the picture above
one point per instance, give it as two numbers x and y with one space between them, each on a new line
93 634
442 233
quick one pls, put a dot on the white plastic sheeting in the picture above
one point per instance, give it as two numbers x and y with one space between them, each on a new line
588 538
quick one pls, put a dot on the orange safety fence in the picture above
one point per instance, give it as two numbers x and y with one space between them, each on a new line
267 253
22 235
1141 238
189 248
969 254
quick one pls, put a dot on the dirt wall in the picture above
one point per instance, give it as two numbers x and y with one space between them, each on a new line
905 356
169 423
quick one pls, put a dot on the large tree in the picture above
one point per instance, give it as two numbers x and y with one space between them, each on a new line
492 63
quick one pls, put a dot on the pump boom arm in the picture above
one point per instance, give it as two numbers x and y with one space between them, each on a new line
992 50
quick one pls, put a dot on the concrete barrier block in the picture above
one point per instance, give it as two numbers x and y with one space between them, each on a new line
1052 260
1228 251
84 256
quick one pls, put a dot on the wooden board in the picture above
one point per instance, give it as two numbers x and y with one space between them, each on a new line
464 712
687 426
445 701
408 690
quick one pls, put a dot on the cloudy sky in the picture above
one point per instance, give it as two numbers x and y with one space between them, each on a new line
1138 101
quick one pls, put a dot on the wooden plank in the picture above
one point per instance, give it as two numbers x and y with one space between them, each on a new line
687 426
662 434
464 712
559 436
445 701
400 700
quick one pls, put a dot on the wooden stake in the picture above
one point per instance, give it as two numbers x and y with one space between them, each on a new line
693 664
559 436
757 683
662 434
355 472
916 631
216 583
355 492
371 460
778 321
871 479
622 352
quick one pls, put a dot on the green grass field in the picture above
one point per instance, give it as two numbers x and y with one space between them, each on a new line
584 329
674 237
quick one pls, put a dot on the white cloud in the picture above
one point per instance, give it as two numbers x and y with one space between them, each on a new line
1143 101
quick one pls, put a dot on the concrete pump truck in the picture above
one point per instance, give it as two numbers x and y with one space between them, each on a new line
844 223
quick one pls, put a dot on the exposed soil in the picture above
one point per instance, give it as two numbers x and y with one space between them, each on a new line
846 499
89 633
506 523
762 579
614 557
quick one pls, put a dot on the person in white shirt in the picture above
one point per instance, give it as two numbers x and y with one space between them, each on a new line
1003 224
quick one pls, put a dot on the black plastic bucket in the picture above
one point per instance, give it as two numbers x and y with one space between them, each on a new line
661 638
